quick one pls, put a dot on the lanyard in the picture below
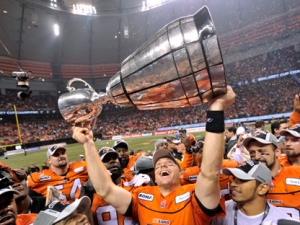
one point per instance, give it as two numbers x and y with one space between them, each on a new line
266 212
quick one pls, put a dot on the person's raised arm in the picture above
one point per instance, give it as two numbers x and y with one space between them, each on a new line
116 196
207 186
295 116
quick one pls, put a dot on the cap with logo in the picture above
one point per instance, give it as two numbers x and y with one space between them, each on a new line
120 144
294 130
53 149
106 150
57 211
143 165
251 170
262 137
163 153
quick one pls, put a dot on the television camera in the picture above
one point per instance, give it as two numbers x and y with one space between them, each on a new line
22 81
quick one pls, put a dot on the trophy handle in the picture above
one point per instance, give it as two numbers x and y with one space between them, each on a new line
74 80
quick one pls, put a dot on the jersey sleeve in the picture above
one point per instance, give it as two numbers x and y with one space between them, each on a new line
294 118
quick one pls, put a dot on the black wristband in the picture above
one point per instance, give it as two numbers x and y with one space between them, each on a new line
215 122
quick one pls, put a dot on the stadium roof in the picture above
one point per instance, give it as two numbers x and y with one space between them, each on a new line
105 32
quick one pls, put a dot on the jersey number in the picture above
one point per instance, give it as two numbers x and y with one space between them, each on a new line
76 185
107 215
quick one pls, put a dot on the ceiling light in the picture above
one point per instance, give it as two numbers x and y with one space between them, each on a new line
56 29
4 11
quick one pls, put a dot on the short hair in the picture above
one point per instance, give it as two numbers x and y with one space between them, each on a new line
276 124
232 129
259 123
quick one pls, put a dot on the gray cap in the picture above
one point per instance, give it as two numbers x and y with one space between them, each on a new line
142 163
251 170
8 190
53 149
262 137
158 142
294 130
57 211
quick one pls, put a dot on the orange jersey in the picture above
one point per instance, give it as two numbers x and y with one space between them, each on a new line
69 185
25 219
190 176
130 166
294 118
283 160
180 207
103 213
285 191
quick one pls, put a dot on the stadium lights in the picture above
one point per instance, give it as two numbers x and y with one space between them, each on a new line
56 29
83 9
149 4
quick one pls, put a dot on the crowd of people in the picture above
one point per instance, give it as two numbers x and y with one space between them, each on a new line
180 184
260 98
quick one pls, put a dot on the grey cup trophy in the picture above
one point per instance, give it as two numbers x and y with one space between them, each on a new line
180 66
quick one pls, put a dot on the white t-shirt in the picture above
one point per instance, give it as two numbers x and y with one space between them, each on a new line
273 216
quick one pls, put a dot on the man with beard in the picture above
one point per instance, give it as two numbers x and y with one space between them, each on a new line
126 160
285 190
103 212
292 146
25 203
68 178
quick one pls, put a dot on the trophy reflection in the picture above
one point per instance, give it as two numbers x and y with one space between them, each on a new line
180 66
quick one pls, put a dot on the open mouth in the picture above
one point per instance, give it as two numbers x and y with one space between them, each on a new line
164 173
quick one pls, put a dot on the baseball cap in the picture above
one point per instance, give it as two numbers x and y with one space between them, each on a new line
262 137
251 170
142 164
57 211
53 149
240 130
8 190
159 142
294 130
120 144
163 153
106 150
281 139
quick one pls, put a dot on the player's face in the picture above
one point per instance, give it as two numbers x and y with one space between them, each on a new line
75 218
59 158
243 190
112 164
167 172
123 156
22 188
292 145
263 153
8 209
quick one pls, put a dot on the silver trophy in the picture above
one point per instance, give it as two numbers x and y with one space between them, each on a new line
180 66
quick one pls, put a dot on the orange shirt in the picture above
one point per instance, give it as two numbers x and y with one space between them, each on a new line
130 166
180 207
103 213
189 176
294 118
283 160
25 219
285 191
69 185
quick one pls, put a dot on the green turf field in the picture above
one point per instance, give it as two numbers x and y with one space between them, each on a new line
74 150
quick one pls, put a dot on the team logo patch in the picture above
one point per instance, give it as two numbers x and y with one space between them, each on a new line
163 204
192 178
182 198
79 169
292 181
146 197
43 178
160 221
274 201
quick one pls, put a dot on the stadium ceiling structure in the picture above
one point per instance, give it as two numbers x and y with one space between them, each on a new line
105 32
